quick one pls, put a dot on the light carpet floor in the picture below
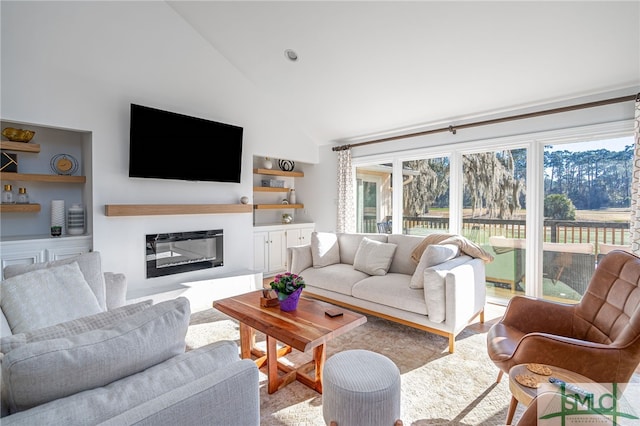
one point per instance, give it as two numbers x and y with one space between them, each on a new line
438 388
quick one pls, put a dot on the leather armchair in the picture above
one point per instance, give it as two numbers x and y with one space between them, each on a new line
599 337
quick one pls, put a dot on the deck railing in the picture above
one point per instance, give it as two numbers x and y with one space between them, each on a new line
556 231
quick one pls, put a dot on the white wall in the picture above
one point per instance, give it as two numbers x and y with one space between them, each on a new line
79 65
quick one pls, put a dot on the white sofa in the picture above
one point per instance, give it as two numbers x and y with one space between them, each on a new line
74 354
375 274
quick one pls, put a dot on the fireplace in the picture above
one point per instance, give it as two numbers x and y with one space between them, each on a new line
178 252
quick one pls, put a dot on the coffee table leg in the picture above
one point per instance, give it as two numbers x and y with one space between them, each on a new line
247 341
272 365
512 409
319 356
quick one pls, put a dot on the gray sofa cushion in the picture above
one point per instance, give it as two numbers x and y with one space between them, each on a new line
374 257
70 328
90 265
402 262
434 254
349 244
45 297
188 385
43 371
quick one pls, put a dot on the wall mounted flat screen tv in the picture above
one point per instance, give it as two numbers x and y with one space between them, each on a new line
168 145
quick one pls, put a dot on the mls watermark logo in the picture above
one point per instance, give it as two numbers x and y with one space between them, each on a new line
576 404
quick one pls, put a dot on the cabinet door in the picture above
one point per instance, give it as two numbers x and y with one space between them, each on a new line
293 237
58 253
260 251
305 235
22 257
277 251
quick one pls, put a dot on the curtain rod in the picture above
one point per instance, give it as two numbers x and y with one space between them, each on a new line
453 128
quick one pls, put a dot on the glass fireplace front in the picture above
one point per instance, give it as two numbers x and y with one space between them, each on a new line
178 252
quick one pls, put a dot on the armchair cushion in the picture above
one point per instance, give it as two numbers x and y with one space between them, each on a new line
90 266
46 370
73 327
45 297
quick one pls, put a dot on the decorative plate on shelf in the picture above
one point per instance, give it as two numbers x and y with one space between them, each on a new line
64 164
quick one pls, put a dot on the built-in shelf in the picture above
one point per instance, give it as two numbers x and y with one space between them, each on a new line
269 189
273 172
20 146
19 208
31 177
173 209
277 206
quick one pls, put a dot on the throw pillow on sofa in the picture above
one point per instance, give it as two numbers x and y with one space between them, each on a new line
432 255
325 250
374 257
43 371
90 265
45 297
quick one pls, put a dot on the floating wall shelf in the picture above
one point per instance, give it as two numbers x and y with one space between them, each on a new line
173 209
31 177
19 208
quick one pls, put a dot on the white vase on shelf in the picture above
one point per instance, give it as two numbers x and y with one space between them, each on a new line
267 163
75 219
57 217
292 196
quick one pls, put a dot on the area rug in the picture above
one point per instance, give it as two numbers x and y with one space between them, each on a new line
438 388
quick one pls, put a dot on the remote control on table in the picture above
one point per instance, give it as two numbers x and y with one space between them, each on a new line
570 387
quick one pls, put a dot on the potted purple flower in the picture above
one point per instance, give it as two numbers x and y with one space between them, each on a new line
288 286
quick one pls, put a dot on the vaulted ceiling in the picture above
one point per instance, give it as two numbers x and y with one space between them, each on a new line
374 68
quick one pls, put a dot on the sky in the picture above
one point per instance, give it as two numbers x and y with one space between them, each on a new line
616 144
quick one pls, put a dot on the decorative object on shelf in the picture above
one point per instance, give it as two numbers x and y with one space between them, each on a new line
57 217
288 286
64 164
286 218
273 183
286 165
75 219
23 197
18 135
292 196
244 199
267 164
7 195
285 201
9 162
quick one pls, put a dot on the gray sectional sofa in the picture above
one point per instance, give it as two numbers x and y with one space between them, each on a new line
73 354
438 287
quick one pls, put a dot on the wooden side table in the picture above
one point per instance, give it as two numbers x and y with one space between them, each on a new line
525 394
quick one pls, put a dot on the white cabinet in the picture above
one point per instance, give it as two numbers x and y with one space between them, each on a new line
271 243
269 251
46 249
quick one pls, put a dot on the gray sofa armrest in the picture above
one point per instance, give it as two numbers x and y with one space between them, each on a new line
116 289
299 258
466 293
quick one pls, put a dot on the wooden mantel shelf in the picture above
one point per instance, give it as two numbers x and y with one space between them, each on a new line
173 209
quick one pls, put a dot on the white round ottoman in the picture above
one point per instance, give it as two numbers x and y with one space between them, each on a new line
360 388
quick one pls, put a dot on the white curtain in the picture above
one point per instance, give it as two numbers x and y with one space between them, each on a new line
635 185
346 201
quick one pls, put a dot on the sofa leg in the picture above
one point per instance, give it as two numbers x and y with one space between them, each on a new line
499 376
452 343
482 316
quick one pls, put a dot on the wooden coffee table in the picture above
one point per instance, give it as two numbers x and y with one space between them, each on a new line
304 329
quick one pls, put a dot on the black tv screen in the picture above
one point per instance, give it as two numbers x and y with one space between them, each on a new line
168 145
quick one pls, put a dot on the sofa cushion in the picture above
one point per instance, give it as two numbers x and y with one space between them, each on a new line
349 244
391 290
73 327
43 371
325 250
90 265
402 262
374 257
435 278
433 255
45 297
338 278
